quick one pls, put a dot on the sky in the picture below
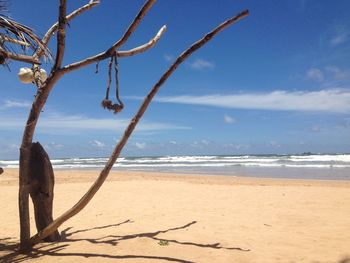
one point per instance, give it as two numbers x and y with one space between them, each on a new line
277 82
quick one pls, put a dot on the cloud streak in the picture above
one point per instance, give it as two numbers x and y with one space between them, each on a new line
201 64
339 38
315 74
16 104
228 119
59 122
331 101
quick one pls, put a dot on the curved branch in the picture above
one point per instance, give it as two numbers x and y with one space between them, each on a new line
104 55
137 20
54 27
148 99
144 47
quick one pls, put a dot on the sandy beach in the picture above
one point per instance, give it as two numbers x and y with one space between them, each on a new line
147 217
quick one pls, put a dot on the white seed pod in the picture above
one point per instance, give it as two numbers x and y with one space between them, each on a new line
26 75
43 74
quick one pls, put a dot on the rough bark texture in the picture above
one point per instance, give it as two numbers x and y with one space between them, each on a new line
41 191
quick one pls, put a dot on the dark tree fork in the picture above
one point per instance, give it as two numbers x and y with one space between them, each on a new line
37 181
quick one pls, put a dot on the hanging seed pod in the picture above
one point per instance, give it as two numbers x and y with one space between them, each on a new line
107 103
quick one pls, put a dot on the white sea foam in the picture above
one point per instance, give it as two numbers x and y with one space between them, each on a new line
202 162
321 158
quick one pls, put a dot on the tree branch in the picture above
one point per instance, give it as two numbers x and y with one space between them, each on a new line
71 16
137 20
117 150
19 57
61 36
14 41
144 47
104 55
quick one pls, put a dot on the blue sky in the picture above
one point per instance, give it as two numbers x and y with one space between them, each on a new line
276 82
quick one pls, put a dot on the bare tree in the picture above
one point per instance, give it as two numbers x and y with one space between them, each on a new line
35 173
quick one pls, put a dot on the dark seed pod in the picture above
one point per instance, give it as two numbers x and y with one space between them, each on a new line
117 108
106 104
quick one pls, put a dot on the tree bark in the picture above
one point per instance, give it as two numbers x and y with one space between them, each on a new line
41 191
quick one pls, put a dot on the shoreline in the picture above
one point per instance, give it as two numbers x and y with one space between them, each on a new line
151 217
89 175
313 166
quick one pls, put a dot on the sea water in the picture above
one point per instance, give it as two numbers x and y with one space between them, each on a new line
310 166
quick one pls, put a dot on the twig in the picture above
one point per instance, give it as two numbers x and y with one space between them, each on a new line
137 20
20 32
144 47
69 17
117 150
104 55
14 41
110 52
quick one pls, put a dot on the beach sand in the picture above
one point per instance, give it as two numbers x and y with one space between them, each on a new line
154 217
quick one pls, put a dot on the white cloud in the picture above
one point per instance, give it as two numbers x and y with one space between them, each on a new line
200 64
55 146
315 74
169 58
273 144
200 144
140 145
16 104
332 100
315 128
339 74
59 122
97 144
339 38
14 146
205 142
228 119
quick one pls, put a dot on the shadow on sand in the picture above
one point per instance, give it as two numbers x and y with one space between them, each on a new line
57 249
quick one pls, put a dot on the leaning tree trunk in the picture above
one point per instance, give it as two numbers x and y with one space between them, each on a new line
42 182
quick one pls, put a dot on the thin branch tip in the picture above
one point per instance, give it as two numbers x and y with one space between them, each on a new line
94 2
162 30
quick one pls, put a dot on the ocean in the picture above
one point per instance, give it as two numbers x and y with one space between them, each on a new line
306 166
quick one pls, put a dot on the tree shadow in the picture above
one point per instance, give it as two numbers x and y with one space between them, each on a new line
57 249
345 260
66 233
6 244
